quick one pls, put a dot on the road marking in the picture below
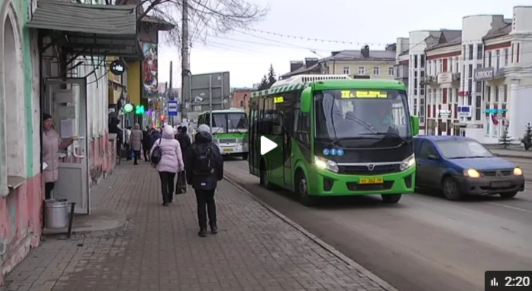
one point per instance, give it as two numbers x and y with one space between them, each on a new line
511 207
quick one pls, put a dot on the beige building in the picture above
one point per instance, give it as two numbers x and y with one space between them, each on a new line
363 63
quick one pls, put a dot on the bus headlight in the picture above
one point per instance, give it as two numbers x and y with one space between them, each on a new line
408 163
322 163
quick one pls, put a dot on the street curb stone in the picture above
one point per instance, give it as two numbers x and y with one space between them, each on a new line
385 285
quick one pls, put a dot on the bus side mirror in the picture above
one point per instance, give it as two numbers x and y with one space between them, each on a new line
414 121
306 100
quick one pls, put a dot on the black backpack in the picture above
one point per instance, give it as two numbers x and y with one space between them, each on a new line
156 154
204 163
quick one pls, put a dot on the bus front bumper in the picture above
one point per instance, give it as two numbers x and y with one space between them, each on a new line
328 183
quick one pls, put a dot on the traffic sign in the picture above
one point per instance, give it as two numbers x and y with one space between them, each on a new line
266 145
172 107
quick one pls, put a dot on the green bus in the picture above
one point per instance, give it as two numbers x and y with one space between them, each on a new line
335 136
229 130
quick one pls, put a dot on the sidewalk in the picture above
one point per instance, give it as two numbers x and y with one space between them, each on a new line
521 153
160 250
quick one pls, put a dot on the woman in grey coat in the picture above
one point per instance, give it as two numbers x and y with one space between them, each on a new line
136 142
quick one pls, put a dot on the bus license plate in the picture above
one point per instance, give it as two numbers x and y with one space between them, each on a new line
228 150
373 180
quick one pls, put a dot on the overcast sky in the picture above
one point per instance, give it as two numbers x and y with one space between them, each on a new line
247 56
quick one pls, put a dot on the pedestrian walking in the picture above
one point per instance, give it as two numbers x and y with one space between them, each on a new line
184 141
204 165
146 143
136 142
170 163
127 142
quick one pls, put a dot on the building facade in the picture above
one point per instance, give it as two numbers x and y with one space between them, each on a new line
471 82
240 97
363 63
20 170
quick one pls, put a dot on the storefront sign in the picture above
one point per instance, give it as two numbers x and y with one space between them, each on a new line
483 74
444 112
117 67
464 111
445 78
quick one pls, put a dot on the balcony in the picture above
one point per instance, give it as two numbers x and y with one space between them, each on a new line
430 80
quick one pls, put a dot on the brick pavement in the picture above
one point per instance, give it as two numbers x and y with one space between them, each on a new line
160 249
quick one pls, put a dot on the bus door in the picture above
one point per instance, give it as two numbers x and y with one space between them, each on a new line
288 134
253 133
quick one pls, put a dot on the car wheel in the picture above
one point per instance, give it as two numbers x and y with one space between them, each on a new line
302 190
451 190
391 198
508 195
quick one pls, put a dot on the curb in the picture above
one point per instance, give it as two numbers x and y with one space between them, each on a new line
513 156
385 285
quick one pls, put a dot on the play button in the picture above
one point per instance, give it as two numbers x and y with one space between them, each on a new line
266 145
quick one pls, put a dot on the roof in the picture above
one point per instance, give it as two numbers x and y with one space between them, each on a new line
315 67
493 33
447 38
335 84
356 55
407 52
84 18
443 138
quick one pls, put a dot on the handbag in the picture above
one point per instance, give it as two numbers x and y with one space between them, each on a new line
181 183
156 154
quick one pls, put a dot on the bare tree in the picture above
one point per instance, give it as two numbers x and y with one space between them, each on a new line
206 17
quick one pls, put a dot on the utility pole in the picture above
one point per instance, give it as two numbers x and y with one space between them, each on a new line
185 54
170 96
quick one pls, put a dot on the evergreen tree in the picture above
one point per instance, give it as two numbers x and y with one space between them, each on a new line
263 85
504 140
527 138
271 76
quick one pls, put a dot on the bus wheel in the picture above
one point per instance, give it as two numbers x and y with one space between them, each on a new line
244 156
302 190
391 198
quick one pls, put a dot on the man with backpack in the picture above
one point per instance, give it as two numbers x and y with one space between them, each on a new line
204 167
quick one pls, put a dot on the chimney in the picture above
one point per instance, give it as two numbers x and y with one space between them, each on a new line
365 51
309 62
294 65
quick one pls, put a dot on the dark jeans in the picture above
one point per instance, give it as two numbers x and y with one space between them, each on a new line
206 206
48 188
136 155
167 186
146 151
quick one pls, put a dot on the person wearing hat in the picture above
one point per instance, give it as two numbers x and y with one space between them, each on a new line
204 167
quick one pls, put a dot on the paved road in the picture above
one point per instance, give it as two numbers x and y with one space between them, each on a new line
424 242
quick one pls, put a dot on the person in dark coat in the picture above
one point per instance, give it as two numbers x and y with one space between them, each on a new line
185 142
114 128
203 152
146 143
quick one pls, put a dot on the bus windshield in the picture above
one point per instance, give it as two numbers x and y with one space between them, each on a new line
229 122
362 115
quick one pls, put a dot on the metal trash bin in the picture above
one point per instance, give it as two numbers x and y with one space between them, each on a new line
56 214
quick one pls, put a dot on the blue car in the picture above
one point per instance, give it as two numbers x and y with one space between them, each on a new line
461 166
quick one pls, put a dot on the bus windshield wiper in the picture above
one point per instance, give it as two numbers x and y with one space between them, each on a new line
388 133
338 140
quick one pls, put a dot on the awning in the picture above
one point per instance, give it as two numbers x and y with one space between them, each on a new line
89 29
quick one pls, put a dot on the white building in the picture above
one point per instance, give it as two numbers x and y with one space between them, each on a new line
472 82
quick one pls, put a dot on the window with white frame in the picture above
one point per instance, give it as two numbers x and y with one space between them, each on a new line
376 71
429 68
347 71
390 71
12 108
361 70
